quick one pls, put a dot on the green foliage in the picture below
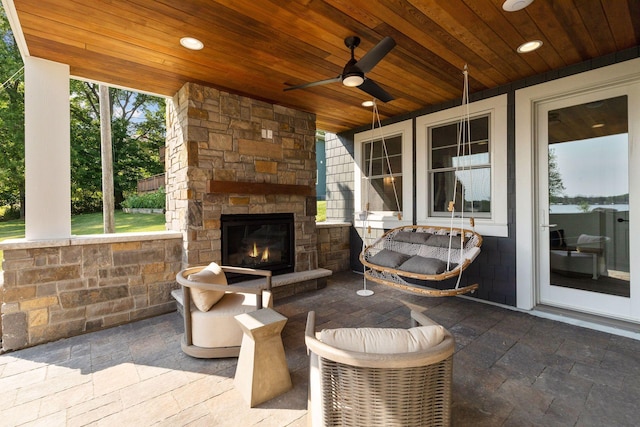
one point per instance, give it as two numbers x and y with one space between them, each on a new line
11 118
154 200
9 212
322 211
556 186
138 129
584 206
137 132
85 200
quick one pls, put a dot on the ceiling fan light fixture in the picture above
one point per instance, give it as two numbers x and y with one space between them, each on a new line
353 79
514 5
191 43
529 46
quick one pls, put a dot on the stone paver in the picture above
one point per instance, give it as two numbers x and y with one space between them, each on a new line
510 369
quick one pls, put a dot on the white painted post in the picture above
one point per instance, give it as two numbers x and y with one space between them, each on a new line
47 150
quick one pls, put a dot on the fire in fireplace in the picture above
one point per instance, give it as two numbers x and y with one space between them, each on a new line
262 241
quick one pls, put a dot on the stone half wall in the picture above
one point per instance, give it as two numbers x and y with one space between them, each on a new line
228 154
60 288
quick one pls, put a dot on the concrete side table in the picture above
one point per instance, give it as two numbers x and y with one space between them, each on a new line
262 371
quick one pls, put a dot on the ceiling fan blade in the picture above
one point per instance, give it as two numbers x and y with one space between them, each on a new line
321 82
372 88
371 58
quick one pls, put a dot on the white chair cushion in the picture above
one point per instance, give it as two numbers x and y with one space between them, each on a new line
587 241
204 299
384 340
218 327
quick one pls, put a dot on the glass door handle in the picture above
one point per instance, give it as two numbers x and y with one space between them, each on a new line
548 225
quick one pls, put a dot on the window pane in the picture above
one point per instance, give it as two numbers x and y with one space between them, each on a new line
379 165
394 145
479 129
395 163
443 136
448 135
475 184
447 157
382 196
376 167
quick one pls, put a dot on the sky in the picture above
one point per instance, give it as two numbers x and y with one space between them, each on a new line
594 167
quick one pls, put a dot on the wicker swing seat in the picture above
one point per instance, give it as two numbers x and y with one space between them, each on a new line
406 257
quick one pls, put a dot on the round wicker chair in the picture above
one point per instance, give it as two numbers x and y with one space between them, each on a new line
349 388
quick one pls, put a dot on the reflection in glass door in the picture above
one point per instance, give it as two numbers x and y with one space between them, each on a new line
589 196
585 204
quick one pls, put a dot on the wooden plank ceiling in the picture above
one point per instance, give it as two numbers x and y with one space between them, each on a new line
259 47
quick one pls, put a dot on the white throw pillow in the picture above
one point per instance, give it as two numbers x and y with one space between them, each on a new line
384 340
204 299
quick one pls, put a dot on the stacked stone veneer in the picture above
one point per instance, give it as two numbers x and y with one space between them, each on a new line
57 289
215 135
333 246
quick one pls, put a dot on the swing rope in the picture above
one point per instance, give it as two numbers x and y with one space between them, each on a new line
463 151
375 120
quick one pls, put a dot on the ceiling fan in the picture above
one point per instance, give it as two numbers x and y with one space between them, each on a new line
353 74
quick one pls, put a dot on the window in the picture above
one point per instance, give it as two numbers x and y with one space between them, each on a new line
481 170
384 175
464 170
382 164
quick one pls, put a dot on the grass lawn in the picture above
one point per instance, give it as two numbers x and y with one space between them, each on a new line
322 211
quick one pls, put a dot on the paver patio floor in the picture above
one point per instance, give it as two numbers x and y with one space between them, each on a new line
510 369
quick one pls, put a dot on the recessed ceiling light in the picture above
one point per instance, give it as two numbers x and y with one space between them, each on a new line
367 104
513 5
529 46
191 43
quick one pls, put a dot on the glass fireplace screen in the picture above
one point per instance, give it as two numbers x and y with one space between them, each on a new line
262 241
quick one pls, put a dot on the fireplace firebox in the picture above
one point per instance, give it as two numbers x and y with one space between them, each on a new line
262 241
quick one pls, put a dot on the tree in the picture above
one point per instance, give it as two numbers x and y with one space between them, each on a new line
556 187
11 120
106 152
137 130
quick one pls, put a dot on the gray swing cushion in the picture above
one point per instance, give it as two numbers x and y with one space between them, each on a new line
387 258
442 241
422 265
412 237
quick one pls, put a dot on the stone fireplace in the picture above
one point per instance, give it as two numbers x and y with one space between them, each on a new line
232 155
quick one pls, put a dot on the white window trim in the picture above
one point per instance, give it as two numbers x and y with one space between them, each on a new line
385 219
496 107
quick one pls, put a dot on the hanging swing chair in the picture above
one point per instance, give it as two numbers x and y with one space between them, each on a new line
411 256
403 257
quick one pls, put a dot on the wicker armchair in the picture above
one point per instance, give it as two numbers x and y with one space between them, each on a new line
351 388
